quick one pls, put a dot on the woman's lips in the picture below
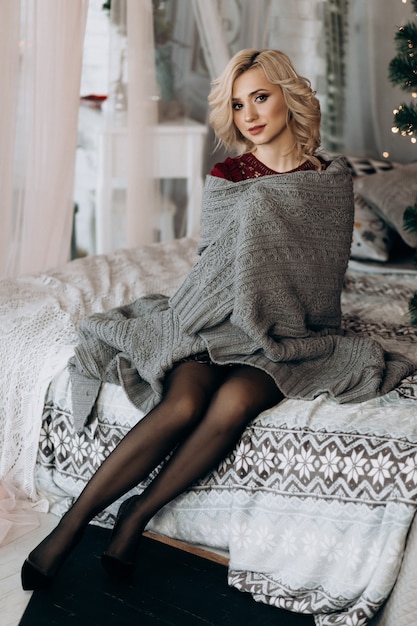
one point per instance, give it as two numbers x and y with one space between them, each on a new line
255 130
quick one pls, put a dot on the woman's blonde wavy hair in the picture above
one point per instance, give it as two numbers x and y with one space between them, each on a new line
303 107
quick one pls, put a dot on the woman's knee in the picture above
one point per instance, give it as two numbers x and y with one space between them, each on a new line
185 409
228 412
188 392
242 397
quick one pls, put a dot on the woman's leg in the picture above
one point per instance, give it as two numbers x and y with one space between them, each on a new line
189 388
244 394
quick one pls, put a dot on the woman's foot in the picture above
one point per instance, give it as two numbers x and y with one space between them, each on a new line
119 558
45 560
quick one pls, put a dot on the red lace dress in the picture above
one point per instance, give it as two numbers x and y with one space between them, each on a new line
247 166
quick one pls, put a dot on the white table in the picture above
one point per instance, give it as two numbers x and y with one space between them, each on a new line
178 154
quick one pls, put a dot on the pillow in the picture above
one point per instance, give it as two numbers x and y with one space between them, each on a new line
389 194
361 166
371 235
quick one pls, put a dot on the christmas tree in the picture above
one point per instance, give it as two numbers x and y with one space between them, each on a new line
403 72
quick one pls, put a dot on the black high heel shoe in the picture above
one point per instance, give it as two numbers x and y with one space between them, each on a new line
33 578
115 567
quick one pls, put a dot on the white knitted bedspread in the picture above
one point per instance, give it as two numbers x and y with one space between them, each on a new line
38 319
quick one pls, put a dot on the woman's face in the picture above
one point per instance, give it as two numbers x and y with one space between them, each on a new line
259 110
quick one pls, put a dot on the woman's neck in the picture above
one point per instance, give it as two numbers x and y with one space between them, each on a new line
278 162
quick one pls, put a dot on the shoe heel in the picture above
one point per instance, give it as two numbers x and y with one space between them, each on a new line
32 578
115 568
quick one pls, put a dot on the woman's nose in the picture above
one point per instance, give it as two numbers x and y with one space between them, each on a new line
250 113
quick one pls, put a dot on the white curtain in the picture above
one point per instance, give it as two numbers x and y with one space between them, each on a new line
9 64
40 67
226 26
212 37
142 191
256 22
127 211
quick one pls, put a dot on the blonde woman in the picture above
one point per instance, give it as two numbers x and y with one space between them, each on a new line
256 320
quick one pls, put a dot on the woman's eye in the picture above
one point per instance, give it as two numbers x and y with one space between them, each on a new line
236 106
261 98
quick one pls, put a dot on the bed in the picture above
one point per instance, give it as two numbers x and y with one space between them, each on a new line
315 506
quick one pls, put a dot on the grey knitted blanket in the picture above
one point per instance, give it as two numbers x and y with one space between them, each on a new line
265 292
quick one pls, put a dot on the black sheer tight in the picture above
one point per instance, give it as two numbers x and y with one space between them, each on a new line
203 413
243 395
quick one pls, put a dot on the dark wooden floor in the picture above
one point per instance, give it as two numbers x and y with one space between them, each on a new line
170 587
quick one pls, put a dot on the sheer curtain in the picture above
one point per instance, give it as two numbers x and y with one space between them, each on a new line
40 68
40 64
142 189
127 209
9 72
225 26
212 36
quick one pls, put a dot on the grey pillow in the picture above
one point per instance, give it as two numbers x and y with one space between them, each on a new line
371 235
389 194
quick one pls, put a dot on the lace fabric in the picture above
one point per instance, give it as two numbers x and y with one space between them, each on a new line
39 316
248 166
